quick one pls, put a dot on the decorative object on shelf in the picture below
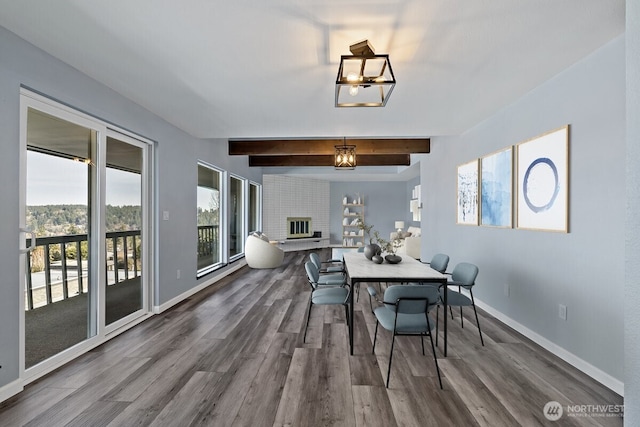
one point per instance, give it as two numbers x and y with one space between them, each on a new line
364 78
345 156
543 182
468 193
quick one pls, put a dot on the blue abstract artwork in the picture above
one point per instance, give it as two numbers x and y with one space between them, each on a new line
496 189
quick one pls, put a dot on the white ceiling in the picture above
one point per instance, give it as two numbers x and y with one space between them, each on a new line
267 68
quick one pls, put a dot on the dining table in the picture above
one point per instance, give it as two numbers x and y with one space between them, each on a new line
360 269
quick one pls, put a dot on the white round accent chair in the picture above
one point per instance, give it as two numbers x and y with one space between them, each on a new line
260 253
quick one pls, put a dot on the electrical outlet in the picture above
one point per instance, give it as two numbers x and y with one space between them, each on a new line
562 311
177 274
165 215
506 289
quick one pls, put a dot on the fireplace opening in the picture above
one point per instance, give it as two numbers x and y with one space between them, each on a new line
299 227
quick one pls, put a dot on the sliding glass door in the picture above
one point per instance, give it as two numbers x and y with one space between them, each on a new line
85 197
59 291
124 239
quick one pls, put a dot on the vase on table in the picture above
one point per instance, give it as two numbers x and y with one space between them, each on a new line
393 258
371 249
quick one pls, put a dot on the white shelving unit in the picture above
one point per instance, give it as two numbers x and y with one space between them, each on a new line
352 210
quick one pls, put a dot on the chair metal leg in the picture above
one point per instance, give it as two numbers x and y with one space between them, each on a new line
393 341
461 321
375 337
422 342
476 313
435 359
437 316
304 338
346 310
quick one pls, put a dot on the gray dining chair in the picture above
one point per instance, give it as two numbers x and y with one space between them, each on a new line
330 266
404 311
439 262
324 295
463 276
320 280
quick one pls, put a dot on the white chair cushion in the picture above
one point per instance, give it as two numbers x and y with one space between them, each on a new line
415 231
259 253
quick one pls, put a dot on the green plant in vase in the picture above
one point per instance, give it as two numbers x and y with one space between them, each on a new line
389 247
366 229
371 250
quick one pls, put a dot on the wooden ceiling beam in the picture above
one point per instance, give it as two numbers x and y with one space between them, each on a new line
314 147
327 160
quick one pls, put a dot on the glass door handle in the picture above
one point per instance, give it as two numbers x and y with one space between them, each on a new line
33 241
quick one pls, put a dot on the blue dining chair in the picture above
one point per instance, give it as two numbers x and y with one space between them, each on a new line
404 311
324 295
439 262
464 277
331 266
313 272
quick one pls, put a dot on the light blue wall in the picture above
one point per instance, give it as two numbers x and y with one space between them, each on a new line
176 158
583 269
632 270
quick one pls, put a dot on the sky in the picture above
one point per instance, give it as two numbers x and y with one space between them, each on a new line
56 181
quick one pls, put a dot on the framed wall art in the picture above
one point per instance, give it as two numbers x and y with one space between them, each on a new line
543 182
496 189
467 210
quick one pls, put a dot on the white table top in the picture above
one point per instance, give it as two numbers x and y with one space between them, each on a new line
360 268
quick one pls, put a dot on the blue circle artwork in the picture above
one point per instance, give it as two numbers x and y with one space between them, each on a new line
538 192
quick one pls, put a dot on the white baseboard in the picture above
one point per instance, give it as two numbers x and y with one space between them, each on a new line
597 374
11 389
157 309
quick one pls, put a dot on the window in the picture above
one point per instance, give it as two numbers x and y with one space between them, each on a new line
255 207
237 216
209 218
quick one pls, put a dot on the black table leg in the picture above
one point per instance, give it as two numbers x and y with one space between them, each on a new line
444 314
353 285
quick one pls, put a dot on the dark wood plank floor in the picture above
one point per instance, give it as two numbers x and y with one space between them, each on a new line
233 355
